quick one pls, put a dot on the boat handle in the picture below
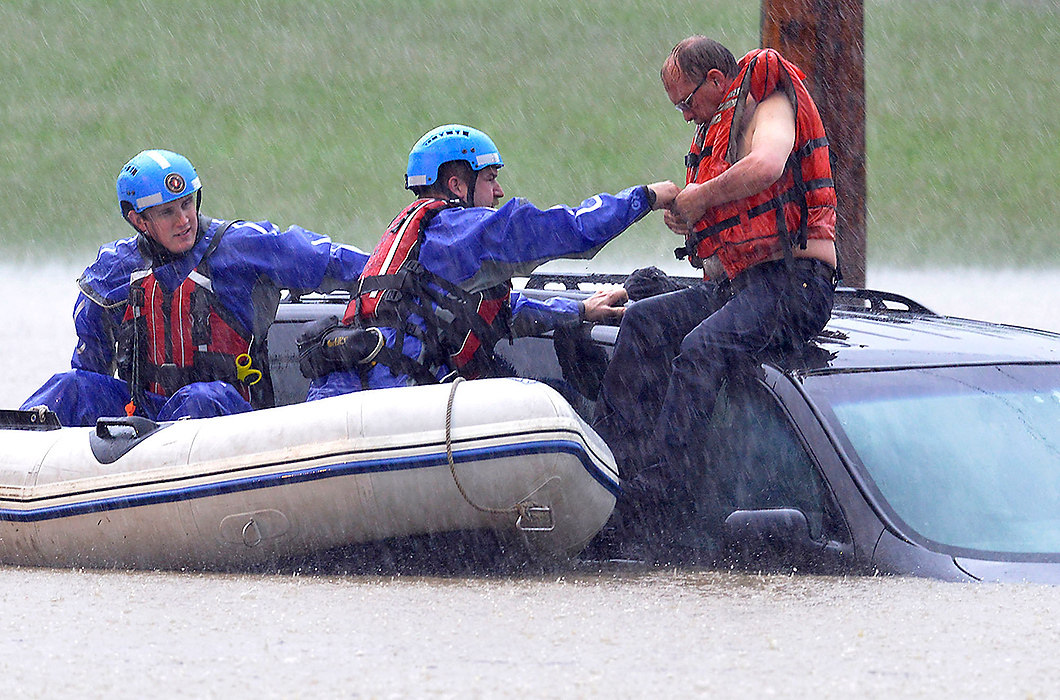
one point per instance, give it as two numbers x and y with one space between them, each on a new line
533 516
251 534
139 425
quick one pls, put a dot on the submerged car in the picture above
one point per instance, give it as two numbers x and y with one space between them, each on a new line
899 441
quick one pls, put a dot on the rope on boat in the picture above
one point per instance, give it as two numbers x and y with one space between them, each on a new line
521 509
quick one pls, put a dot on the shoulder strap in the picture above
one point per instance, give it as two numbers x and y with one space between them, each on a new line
214 242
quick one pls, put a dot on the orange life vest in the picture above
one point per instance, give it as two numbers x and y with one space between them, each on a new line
395 286
801 203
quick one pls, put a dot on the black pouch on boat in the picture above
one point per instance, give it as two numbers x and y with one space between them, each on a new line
311 359
327 346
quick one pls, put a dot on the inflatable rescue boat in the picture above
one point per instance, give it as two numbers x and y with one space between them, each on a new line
504 456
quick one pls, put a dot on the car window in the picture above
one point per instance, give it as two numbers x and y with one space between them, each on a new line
757 461
966 457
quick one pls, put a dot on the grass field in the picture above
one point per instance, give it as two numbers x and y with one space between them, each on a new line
303 112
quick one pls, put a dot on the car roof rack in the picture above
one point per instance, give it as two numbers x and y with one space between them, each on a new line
575 281
854 299
846 299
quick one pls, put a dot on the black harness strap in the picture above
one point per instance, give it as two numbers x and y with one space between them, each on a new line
411 291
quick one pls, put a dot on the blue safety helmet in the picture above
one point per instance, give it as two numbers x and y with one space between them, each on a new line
446 143
155 177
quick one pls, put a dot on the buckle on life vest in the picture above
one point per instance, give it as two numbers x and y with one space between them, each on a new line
414 267
391 295
689 251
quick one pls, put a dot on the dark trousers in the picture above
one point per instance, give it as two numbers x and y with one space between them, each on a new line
673 353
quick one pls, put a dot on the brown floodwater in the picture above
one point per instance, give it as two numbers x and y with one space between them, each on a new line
594 634
615 632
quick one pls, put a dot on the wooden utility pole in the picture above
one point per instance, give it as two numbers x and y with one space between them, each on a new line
825 38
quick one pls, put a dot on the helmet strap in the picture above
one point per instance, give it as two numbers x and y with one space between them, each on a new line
471 188
467 200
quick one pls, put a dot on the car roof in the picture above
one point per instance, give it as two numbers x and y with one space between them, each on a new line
873 330
870 329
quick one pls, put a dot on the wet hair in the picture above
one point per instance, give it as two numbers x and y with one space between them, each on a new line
460 168
696 56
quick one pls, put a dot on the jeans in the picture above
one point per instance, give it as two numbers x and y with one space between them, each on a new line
674 352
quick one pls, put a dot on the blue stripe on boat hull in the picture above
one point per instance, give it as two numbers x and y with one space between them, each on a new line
309 474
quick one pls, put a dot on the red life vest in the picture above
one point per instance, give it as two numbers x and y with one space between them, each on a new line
398 245
801 203
181 336
395 286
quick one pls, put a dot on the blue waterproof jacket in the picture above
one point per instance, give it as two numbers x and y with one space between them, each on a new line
248 268
478 248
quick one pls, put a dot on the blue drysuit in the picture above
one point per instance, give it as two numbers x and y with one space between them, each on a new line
480 247
252 262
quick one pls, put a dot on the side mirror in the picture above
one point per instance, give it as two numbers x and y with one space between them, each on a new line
779 539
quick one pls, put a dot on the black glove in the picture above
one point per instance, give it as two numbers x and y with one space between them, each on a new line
648 282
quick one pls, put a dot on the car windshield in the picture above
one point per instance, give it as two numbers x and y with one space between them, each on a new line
968 457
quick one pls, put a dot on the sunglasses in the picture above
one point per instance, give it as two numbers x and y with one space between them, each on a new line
685 105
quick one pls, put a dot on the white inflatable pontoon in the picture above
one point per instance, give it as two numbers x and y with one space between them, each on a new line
246 490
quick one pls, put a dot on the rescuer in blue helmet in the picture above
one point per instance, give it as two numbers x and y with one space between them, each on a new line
445 151
437 290
180 311
157 183
155 177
